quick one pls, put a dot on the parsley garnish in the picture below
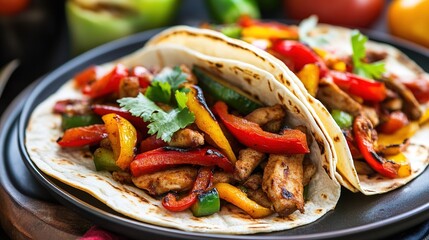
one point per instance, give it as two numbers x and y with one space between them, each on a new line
369 70
163 124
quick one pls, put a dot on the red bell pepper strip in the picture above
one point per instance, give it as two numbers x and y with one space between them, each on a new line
137 122
82 136
252 135
165 157
298 54
107 84
204 179
365 134
395 121
365 88
70 106
419 87
86 77
142 74
151 143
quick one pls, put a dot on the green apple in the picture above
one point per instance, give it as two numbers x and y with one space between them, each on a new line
94 22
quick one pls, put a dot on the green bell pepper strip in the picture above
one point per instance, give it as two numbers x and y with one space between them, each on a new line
104 160
229 11
72 121
207 203
220 91
343 119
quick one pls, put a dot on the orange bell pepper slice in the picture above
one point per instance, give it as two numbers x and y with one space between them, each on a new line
123 139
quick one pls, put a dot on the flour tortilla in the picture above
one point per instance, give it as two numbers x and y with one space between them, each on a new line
75 166
216 44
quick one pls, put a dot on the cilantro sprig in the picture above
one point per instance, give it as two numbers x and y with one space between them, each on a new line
368 70
163 124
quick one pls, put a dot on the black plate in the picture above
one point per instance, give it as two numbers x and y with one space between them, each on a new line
355 217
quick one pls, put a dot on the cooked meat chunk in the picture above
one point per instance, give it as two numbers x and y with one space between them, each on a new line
273 126
410 105
122 177
248 160
264 115
254 181
191 77
187 138
260 197
309 170
282 182
363 168
224 177
129 87
334 98
371 114
177 179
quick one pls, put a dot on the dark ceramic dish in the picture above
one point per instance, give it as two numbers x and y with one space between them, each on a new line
355 217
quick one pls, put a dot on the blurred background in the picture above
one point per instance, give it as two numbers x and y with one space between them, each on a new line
43 34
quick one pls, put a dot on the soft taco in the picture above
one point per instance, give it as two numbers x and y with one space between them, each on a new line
160 155
376 123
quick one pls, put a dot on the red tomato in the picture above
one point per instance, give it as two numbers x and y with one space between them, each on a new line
11 7
354 13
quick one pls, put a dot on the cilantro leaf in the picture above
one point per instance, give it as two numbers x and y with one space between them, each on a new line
159 92
139 106
368 70
162 123
174 78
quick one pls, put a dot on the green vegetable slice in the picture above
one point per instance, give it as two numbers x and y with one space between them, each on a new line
220 90
343 119
207 203
104 160
72 121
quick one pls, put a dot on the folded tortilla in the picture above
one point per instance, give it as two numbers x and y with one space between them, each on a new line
75 166
216 44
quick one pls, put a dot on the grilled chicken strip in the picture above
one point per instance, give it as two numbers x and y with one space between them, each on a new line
225 177
248 160
282 182
410 105
264 115
260 197
187 138
254 181
334 98
129 87
177 179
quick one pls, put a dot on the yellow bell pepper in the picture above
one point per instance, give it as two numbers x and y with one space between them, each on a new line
206 121
235 196
409 19
268 32
309 76
405 167
399 136
123 138
425 117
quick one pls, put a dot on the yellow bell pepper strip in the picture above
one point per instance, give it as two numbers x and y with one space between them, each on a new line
83 136
269 31
424 117
399 136
364 136
206 121
204 179
123 139
167 157
309 76
250 134
404 163
238 198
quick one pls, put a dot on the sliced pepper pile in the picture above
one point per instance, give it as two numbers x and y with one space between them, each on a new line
359 78
127 142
